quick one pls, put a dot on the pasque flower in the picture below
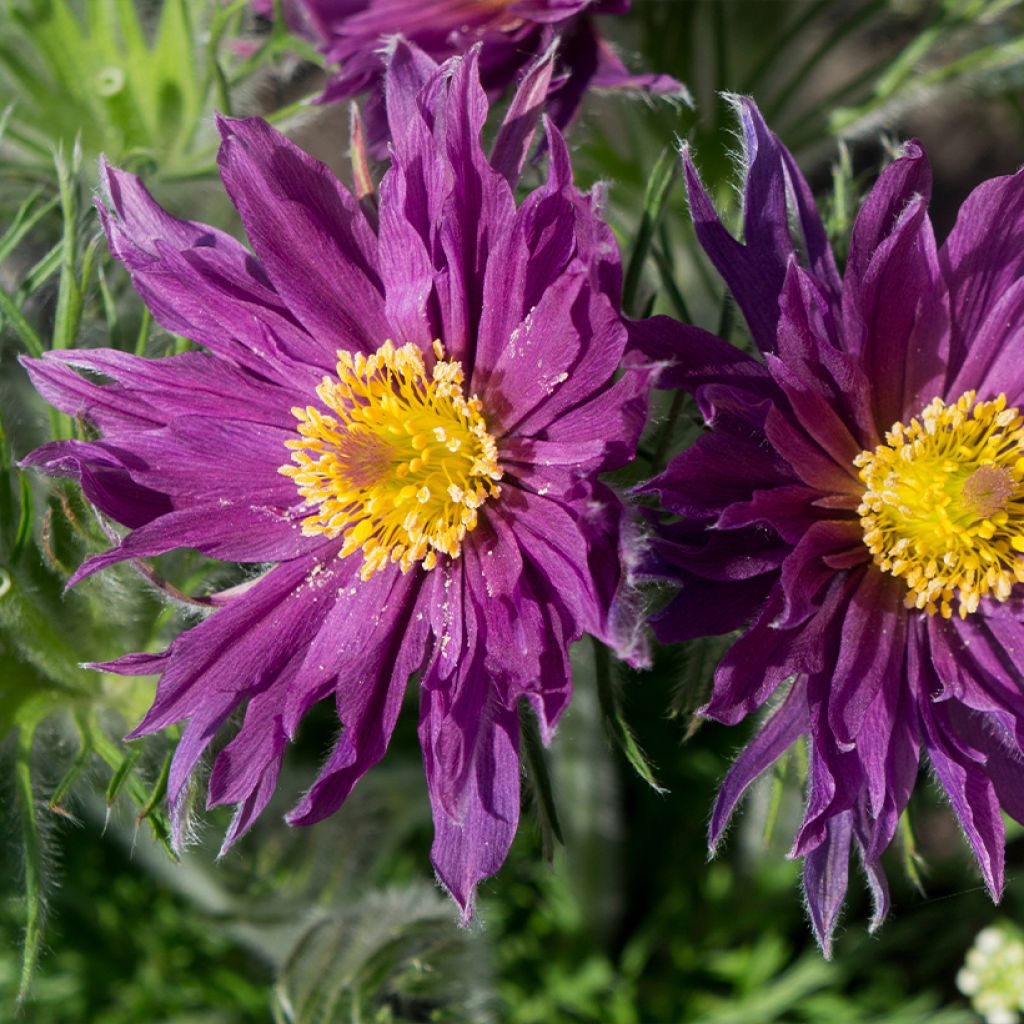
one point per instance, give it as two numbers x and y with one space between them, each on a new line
512 35
407 415
856 507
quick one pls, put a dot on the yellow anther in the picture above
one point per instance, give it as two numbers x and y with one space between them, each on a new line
943 507
398 462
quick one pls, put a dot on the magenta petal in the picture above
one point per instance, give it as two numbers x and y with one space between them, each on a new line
309 233
201 283
466 851
147 393
470 742
369 692
247 533
106 477
520 122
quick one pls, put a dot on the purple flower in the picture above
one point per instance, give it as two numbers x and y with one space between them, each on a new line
512 34
409 418
856 508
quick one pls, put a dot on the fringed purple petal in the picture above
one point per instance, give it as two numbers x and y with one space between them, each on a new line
234 644
710 608
231 533
106 475
826 874
309 233
755 269
981 260
369 680
894 315
870 654
201 283
512 144
247 769
786 725
960 769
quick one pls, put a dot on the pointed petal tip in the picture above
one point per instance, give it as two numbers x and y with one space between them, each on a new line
466 902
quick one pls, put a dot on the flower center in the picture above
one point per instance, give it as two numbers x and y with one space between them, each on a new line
399 463
943 507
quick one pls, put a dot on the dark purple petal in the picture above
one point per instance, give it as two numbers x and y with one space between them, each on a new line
726 555
960 769
724 467
755 269
894 315
710 608
1003 765
992 363
809 462
870 654
826 873
906 181
690 357
788 510
786 725
805 571
810 348
982 258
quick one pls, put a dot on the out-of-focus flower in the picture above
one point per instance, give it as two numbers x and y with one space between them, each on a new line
993 974
857 506
512 35
408 417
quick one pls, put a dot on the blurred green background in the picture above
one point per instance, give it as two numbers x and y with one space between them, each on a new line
623 920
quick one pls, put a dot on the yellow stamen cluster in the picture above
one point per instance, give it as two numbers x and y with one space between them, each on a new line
399 464
943 507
